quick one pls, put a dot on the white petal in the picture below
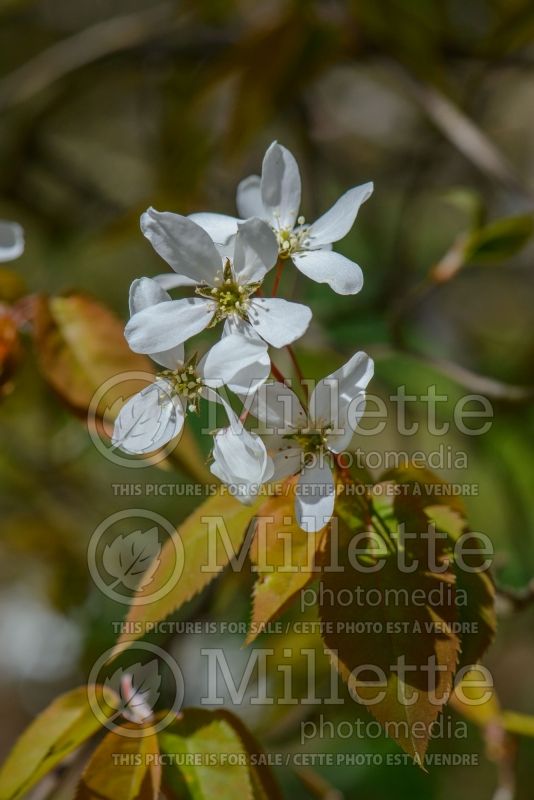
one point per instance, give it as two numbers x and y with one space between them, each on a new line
338 220
249 202
315 497
185 246
280 186
276 406
286 456
148 420
170 280
256 251
11 240
235 324
219 227
325 266
331 398
346 424
241 461
161 327
145 292
237 361
278 321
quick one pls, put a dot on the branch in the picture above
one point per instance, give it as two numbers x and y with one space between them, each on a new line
463 133
81 49
479 384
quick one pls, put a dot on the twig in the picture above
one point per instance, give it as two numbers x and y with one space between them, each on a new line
480 384
81 49
463 133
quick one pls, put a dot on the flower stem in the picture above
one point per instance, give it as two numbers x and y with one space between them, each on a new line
278 276
276 372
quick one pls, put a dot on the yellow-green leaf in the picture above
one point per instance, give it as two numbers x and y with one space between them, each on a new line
121 767
284 557
210 537
211 757
55 733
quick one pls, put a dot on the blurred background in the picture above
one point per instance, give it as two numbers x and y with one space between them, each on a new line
108 107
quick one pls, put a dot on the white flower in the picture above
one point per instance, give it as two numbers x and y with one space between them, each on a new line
275 198
240 460
155 415
302 441
11 240
225 287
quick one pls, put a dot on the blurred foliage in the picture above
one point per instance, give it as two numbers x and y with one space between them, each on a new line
106 108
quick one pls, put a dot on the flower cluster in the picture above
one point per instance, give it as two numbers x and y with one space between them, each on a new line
222 262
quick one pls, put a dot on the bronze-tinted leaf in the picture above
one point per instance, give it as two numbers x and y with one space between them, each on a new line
121 767
406 639
284 557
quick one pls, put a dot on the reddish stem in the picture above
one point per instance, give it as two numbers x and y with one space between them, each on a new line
276 372
277 277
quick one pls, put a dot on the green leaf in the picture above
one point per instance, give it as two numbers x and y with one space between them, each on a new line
210 536
55 733
263 781
284 557
122 767
499 240
211 758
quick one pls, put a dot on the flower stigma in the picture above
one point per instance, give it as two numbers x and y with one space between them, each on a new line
231 297
185 382
291 240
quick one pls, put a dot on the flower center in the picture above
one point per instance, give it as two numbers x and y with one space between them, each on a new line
291 240
231 297
186 383
311 442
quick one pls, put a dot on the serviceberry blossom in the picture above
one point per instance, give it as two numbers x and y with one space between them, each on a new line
155 415
226 284
302 442
275 198
11 240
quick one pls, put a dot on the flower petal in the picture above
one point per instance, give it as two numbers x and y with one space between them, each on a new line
249 202
276 406
337 400
315 497
324 266
11 240
165 325
278 321
256 251
148 420
170 280
240 460
219 227
280 186
145 292
185 246
338 220
237 361
286 455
